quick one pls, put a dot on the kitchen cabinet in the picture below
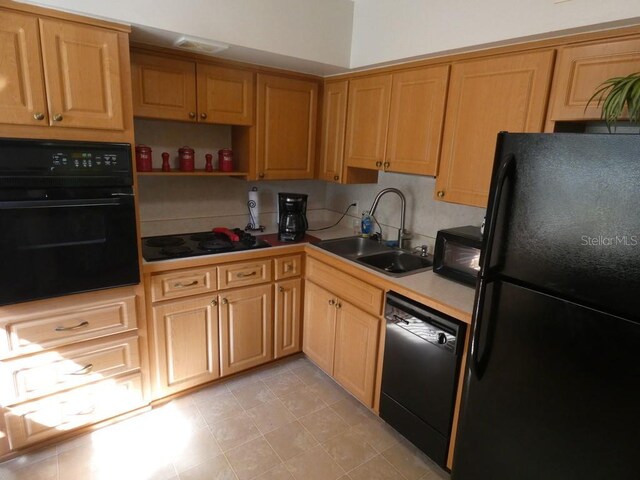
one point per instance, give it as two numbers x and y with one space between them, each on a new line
486 96
60 74
395 120
581 68
286 127
367 121
187 331
287 320
340 335
246 328
172 89
68 362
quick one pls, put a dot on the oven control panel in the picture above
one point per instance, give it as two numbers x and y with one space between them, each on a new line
73 162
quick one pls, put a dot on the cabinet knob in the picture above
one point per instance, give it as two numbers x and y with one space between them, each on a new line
214 302
378 164
192 114
225 301
203 116
261 175
38 116
338 305
332 302
386 165
281 289
57 117
336 178
440 193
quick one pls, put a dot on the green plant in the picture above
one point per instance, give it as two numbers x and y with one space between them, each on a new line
616 93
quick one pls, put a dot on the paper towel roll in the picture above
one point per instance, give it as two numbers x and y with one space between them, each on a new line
254 208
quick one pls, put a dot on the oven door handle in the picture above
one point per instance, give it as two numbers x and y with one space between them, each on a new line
87 202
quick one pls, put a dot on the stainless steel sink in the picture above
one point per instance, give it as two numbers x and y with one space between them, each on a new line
352 246
390 261
396 263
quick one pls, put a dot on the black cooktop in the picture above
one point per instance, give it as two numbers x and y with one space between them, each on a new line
199 243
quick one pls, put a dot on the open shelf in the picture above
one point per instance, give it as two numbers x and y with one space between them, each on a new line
196 173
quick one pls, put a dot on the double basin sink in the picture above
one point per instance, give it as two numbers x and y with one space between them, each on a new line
388 260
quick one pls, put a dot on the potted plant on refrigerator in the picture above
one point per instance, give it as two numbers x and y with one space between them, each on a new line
617 93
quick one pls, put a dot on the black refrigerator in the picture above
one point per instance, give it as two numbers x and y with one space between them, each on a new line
552 385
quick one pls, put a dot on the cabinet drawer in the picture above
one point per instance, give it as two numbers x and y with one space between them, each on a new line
26 378
183 283
33 422
245 273
35 326
287 267
349 288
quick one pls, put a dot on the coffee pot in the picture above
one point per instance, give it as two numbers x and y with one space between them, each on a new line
292 221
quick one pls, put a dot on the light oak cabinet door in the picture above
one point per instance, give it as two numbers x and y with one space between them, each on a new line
82 75
225 95
186 343
367 121
319 326
163 88
487 96
580 69
334 118
356 348
22 96
288 315
286 127
246 333
418 99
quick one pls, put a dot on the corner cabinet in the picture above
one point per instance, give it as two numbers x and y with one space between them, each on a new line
487 96
580 69
286 127
61 74
173 89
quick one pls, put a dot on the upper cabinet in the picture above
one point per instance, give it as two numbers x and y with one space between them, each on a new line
171 89
334 117
580 69
367 121
487 96
286 127
60 74
395 121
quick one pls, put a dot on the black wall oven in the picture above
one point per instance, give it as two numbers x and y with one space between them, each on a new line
67 218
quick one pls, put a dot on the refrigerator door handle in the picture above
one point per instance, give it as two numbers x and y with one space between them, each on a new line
479 360
504 171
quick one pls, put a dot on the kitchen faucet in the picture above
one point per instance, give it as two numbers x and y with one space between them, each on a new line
402 233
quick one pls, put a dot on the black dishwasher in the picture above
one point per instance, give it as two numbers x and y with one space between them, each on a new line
422 355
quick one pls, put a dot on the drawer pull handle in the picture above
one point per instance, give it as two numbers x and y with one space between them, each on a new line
244 275
288 268
75 327
83 371
182 285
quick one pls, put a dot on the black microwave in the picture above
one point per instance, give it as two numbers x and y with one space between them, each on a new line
457 254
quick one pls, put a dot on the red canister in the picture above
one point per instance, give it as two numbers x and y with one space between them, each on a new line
187 159
225 160
143 158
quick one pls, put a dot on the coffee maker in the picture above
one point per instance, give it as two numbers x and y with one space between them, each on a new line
292 221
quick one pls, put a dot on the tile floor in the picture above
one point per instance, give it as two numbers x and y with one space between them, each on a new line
286 421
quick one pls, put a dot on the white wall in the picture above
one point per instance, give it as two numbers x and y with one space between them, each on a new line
317 30
386 30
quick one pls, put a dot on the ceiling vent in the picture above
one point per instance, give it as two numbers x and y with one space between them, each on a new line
198 46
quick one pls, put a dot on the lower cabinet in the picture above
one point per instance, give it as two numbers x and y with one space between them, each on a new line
246 334
342 340
186 333
287 317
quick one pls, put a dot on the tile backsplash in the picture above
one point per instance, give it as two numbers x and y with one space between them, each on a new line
181 204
